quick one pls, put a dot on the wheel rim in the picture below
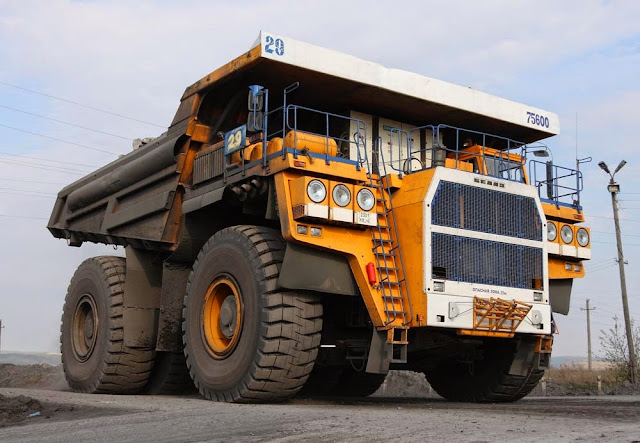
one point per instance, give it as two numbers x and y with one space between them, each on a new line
85 328
222 316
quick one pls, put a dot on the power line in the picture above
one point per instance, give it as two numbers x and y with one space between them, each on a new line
60 140
26 190
82 105
613 233
33 181
610 243
51 161
26 162
41 167
23 216
611 218
26 195
66 123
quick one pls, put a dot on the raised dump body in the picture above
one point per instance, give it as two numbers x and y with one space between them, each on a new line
310 220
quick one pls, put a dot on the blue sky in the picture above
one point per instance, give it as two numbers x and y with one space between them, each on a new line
136 58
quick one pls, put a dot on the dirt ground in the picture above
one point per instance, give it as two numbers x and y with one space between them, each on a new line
35 404
136 418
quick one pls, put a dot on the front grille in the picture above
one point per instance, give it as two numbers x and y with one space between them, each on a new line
486 262
486 210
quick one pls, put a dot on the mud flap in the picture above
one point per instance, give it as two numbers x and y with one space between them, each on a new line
174 288
142 289
379 353
524 358
531 354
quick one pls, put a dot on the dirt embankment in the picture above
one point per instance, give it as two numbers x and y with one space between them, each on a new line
32 376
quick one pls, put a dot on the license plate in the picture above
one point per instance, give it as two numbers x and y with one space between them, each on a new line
365 218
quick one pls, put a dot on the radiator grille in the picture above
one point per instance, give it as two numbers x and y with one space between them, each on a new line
486 210
486 262
208 165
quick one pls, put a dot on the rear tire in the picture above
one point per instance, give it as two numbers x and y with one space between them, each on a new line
245 339
94 356
486 379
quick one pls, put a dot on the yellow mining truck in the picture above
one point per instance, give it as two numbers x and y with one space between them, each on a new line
311 220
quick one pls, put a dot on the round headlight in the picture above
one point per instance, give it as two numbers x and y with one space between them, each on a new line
566 234
341 195
365 199
582 236
316 191
552 231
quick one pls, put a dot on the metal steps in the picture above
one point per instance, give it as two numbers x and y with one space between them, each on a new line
390 267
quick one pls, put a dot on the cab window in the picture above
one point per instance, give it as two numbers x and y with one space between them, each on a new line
504 168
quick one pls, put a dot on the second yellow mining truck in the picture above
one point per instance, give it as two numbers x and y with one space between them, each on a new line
310 220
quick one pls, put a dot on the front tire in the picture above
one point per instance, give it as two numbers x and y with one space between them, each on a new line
488 378
245 339
94 356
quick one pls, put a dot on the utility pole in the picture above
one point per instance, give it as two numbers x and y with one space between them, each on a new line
1 328
588 309
614 188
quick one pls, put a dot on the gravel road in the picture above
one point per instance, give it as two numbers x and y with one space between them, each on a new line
168 419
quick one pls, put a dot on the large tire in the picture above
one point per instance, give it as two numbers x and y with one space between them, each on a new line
341 381
94 356
245 339
485 379
170 375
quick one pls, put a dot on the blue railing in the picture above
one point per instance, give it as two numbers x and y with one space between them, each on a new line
558 185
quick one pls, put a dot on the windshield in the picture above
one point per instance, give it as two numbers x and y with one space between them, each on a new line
504 168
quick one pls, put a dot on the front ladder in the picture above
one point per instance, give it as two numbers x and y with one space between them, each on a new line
390 265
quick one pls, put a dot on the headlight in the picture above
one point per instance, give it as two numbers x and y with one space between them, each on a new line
552 231
316 191
341 195
566 234
582 236
365 199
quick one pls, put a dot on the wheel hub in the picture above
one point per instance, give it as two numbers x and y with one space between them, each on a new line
228 316
222 316
85 328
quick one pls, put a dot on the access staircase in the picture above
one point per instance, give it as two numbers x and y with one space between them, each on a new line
389 264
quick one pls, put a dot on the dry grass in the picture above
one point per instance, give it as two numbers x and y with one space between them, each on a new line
575 376
578 380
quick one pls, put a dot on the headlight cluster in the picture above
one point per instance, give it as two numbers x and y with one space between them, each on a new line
566 234
317 192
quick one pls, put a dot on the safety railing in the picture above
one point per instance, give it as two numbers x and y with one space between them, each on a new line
331 125
556 184
404 154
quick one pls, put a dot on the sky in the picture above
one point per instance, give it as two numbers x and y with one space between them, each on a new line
577 58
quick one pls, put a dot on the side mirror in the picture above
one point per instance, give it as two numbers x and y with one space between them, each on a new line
550 181
255 121
255 101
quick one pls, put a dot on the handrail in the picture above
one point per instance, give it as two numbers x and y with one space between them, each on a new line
558 182
359 136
